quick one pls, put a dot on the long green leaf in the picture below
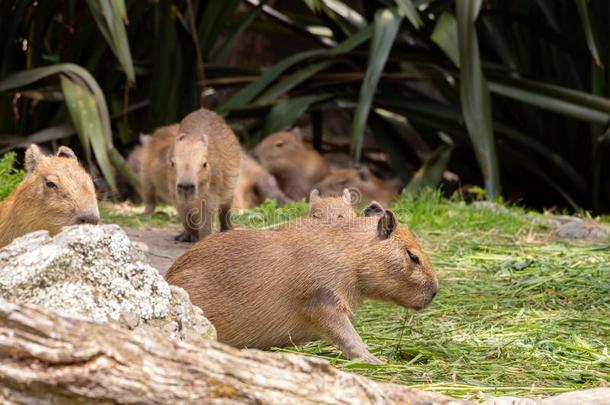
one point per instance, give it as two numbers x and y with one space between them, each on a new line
235 33
445 36
431 172
583 10
293 80
26 77
83 111
407 9
248 93
110 17
474 95
386 26
286 112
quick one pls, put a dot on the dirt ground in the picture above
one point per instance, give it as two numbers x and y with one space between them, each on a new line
159 246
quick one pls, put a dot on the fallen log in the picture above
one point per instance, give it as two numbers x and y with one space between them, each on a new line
49 358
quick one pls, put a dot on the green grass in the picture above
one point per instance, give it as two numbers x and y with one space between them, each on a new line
518 312
10 177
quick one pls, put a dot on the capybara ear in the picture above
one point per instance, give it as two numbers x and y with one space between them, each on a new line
364 173
314 195
347 196
144 139
386 225
374 209
65 152
32 157
298 135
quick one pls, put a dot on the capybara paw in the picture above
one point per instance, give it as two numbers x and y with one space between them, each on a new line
369 358
186 237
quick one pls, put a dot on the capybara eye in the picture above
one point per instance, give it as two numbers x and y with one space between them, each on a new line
279 144
50 184
413 257
171 162
205 164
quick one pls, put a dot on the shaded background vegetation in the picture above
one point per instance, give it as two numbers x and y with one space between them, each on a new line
510 95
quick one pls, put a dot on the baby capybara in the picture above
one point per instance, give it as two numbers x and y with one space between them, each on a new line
204 164
363 185
255 184
296 166
56 192
331 208
263 289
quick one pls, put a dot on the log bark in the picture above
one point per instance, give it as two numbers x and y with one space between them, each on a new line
48 358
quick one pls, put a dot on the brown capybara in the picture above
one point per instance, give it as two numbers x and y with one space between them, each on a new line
296 166
204 166
331 208
56 192
363 185
154 167
255 185
264 289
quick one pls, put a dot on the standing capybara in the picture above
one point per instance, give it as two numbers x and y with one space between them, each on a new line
56 192
362 184
154 167
255 185
296 166
204 164
331 208
263 289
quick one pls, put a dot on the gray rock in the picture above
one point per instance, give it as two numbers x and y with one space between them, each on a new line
576 228
594 396
97 273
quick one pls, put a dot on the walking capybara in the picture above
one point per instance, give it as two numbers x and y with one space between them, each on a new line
331 208
154 167
255 185
363 185
56 192
264 289
296 167
204 162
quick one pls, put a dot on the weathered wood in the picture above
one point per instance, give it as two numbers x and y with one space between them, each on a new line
48 358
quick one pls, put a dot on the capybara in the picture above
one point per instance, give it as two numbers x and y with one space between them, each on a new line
255 185
203 170
296 166
154 167
264 289
331 208
362 184
56 192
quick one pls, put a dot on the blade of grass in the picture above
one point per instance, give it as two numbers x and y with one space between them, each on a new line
407 9
583 11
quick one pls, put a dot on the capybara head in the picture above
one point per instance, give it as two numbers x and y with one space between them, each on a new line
403 273
59 191
189 169
362 184
277 151
331 208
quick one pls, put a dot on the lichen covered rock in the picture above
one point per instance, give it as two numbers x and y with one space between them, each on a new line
96 273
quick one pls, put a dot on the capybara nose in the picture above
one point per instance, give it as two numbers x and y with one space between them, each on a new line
186 188
433 295
88 219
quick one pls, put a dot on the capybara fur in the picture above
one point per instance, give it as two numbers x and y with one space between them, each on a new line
255 184
154 167
263 289
362 184
56 192
331 208
204 166
296 166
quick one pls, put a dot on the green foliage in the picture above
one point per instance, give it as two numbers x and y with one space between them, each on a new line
10 176
521 88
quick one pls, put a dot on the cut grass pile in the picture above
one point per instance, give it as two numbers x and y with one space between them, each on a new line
518 312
